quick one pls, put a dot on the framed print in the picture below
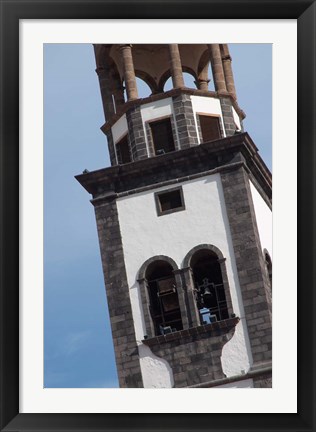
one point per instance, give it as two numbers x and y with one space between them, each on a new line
188 303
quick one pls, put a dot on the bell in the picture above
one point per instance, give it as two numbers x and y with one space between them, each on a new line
207 292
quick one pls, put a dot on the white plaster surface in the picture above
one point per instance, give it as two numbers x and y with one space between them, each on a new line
236 119
264 219
202 104
159 108
235 359
155 110
119 129
204 220
156 372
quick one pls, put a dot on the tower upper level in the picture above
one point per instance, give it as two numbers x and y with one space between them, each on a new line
165 121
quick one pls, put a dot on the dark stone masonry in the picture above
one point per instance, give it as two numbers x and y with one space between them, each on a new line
184 116
194 355
136 134
122 323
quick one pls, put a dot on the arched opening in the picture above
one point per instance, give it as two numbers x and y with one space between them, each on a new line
209 287
146 85
268 262
163 297
168 85
143 89
189 81
211 85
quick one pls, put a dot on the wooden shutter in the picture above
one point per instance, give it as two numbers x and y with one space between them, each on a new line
210 128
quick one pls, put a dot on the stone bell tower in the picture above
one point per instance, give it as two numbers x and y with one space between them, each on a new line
184 222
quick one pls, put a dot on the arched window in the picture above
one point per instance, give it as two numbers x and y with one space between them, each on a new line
209 287
189 81
163 298
143 88
168 84
268 266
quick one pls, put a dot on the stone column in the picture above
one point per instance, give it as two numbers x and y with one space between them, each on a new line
150 328
217 67
175 66
228 72
129 72
202 84
106 91
190 290
181 298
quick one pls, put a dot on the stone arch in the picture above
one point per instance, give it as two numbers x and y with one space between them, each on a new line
203 64
204 74
222 266
187 258
163 79
154 320
189 77
189 71
147 79
268 265
266 252
142 270
167 74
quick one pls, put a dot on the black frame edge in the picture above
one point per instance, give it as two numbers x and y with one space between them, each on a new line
9 223
306 213
13 10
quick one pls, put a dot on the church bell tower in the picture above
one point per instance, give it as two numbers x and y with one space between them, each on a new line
184 222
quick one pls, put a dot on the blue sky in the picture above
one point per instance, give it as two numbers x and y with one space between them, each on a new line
78 349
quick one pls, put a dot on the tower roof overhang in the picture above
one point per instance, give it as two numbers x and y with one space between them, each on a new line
182 165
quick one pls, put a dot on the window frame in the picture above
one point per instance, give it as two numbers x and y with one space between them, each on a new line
220 125
116 148
159 210
151 137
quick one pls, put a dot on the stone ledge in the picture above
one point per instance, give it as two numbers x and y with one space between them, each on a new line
263 372
207 329
180 163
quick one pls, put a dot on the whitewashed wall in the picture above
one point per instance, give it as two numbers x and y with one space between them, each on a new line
155 110
236 118
207 105
119 129
145 235
264 219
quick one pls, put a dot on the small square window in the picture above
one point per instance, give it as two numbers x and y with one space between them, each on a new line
169 201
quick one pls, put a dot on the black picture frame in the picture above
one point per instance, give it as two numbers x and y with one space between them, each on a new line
13 10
